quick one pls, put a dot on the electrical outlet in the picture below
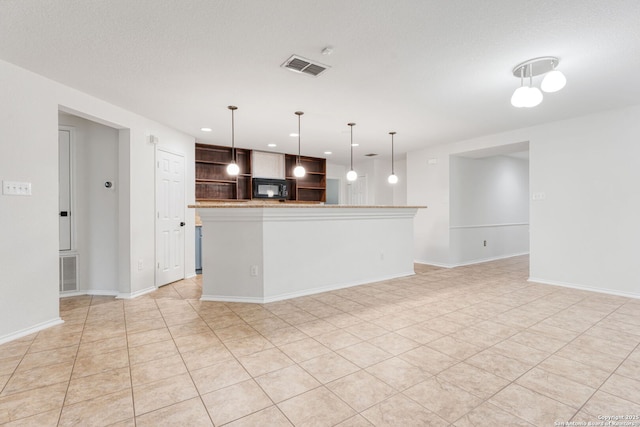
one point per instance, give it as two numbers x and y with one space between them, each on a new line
484 243
254 271
140 264
381 256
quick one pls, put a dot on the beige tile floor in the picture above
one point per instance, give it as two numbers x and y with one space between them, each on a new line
472 346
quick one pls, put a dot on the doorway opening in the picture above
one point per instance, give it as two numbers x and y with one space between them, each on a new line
489 204
88 206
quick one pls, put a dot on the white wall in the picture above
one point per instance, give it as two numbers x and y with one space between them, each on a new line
400 188
29 107
489 208
490 190
585 232
335 171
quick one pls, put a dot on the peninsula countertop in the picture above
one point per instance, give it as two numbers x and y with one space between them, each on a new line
217 205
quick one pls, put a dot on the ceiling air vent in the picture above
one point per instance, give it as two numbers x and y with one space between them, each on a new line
304 66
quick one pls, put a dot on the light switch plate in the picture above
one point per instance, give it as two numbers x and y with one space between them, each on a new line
16 188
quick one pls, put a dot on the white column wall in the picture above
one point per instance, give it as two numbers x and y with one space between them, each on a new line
29 240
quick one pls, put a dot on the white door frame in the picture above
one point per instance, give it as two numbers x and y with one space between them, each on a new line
72 185
184 240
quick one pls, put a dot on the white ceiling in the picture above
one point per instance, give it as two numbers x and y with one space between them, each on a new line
433 71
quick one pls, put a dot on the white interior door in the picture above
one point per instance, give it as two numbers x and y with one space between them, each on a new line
357 191
170 208
64 185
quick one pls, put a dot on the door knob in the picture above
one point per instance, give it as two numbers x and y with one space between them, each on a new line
181 224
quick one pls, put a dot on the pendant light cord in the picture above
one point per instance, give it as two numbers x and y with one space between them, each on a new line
233 133
392 159
299 136
351 125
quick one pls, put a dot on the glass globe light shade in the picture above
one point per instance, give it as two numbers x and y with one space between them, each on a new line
233 169
352 175
393 179
553 81
299 171
533 98
519 96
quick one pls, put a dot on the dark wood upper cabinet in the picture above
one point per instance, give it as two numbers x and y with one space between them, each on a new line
213 183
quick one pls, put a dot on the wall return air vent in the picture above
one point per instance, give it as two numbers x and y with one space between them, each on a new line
304 66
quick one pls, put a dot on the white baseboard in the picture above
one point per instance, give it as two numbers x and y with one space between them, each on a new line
475 261
222 298
101 293
433 263
27 331
72 294
585 288
302 293
131 295
92 292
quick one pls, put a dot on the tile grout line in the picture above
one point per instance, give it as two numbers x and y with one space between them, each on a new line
75 359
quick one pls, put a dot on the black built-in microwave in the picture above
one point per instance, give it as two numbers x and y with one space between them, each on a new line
265 188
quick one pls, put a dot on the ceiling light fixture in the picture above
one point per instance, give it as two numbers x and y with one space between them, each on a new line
393 178
232 168
299 171
328 152
530 96
351 175
272 145
206 129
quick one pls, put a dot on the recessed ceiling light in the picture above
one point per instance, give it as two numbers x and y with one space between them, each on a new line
293 134
272 145
355 145
206 129
328 152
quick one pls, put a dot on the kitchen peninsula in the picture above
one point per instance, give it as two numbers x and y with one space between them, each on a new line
263 252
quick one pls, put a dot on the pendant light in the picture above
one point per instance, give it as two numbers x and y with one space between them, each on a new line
554 80
299 171
519 95
393 178
351 175
526 96
232 168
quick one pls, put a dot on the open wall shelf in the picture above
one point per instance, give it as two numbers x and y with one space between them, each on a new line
213 182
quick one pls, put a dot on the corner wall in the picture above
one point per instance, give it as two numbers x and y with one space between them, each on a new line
29 106
584 233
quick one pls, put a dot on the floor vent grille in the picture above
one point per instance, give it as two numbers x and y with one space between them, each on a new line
68 273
